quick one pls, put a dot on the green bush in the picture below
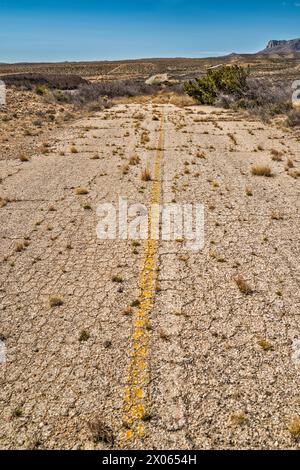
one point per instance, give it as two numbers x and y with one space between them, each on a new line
228 80
41 90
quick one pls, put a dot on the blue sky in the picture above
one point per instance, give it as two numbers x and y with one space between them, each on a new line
101 30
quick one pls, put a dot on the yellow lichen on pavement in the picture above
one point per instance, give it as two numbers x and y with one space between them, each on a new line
136 400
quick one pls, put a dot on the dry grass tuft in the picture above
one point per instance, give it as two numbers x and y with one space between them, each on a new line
262 170
84 336
201 155
100 432
243 285
81 191
294 428
56 302
128 312
290 164
276 155
19 247
146 175
265 345
294 174
238 419
276 215
134 160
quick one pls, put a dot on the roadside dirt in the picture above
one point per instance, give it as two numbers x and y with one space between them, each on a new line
219 362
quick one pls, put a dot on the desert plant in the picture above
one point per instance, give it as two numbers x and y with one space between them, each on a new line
146 175
230 80
243 285
100 432
81 191
261 170
84 336
41 90
294 428
55 302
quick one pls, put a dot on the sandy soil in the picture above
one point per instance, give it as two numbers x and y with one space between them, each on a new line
220 363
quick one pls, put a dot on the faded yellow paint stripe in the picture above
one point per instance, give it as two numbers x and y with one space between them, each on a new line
136 399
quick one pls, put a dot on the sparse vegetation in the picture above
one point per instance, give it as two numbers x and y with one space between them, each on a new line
19 247
84 336
134 160
228 80
276 155
265 345
238 419
146 175
81 191
294 428
243 285
23 158
261 170
17 413
100 432
56 302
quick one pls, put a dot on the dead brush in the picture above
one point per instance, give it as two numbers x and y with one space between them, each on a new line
73 149
265 345
201 155
290 164
100 432
276 155
294 174
19 247
134 160
146 175
276 215
81 191
125 170
294 428
261 170
238 419
56 302
243 285
45 148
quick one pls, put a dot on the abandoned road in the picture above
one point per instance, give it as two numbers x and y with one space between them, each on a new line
148 345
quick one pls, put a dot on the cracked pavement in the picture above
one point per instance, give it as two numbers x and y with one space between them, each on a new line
222 370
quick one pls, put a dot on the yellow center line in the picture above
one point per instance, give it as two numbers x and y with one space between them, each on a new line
136 399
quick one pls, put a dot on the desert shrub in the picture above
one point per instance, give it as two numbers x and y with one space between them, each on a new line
233 87
119 88
31 81
265 98
103 92
226 80
41 90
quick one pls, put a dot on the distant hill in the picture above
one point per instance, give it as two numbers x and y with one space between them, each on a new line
282 47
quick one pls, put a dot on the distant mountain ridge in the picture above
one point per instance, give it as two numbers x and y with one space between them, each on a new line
282 46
